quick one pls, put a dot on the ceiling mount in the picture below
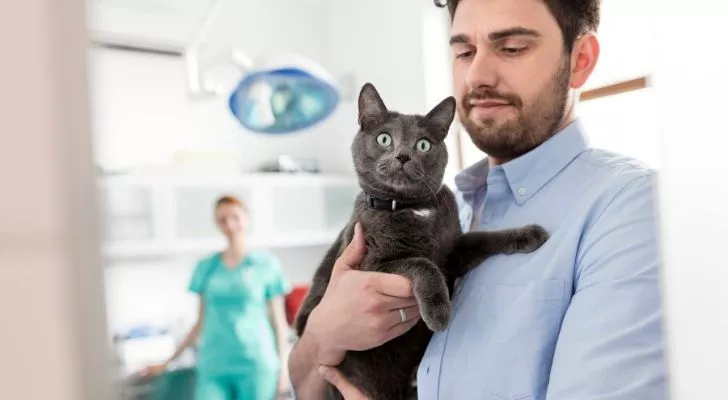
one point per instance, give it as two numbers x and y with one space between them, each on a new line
274 94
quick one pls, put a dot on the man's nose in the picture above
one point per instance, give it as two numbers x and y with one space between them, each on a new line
482 71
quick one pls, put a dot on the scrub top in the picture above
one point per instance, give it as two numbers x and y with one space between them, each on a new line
237 337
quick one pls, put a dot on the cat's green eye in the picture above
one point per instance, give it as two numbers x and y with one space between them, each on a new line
384 140
423 145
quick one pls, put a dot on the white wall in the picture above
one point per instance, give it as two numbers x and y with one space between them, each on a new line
400 47
622 57
694 193
634 133
142 115
380 42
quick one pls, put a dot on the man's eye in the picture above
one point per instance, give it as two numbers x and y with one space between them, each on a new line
513 51
464 54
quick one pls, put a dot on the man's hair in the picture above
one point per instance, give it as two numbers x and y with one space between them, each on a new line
575 17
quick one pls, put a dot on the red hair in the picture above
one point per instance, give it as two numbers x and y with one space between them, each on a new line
230 200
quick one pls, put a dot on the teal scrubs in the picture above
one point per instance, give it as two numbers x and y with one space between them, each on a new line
238 357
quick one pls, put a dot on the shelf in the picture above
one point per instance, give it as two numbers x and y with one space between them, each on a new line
201 247
171 214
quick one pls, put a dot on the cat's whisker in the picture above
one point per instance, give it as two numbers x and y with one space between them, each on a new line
434 193
449 210
383 168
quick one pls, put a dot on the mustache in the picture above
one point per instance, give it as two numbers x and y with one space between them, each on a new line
490 94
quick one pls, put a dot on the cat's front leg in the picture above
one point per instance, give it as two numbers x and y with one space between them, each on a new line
472 248
429 287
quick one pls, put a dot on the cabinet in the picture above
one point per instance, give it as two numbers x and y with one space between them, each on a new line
130 219
167 215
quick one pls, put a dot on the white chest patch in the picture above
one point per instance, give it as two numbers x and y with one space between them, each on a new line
424 213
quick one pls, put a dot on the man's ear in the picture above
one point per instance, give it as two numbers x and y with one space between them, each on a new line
583 59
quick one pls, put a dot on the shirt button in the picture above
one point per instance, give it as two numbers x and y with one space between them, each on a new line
522 191
428 370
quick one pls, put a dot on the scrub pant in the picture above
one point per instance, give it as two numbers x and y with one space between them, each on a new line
259 385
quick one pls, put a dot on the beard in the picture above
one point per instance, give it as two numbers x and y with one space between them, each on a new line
535 122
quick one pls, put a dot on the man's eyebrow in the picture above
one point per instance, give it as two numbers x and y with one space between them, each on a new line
515 31
462 38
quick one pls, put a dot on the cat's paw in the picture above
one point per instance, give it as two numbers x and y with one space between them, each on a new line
436 316
534 236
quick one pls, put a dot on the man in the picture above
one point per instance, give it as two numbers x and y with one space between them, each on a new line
578 319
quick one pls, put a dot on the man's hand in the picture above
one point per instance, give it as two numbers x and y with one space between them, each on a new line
360 310
334 377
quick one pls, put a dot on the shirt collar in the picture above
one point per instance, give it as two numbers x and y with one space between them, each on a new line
527 174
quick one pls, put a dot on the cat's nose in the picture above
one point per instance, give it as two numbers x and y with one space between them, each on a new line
403 158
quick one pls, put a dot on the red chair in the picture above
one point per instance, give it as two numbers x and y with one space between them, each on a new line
294 300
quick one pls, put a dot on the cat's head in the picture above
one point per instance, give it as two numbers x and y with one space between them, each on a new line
400 156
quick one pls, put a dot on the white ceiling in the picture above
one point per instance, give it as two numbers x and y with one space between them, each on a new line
168 22
151 6
178 7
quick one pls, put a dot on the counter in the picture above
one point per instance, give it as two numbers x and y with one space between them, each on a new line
178 384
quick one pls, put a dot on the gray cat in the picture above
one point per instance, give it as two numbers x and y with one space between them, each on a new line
410 222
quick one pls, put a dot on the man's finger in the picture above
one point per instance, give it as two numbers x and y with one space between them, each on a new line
353 254
410 313
392 285
401 329
394 303
334 377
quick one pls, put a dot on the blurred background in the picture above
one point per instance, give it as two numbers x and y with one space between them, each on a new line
158 122
165 153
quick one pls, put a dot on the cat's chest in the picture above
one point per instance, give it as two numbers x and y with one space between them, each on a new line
402 220
399 234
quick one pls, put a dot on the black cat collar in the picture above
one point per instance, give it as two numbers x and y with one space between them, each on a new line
388 205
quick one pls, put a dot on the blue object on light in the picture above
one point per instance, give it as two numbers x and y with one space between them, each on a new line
282 100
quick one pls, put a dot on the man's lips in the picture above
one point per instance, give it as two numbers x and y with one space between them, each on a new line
487 108
488 103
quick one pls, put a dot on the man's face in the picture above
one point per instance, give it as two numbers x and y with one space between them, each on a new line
510 74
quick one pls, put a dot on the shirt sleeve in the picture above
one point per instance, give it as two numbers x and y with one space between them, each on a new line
611 342
200 275
276 284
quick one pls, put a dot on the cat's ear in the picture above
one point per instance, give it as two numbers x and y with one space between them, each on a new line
439 119
372 110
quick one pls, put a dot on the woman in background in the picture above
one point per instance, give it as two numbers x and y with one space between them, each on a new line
241 318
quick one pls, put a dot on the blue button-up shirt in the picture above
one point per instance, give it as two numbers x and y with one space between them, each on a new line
580 318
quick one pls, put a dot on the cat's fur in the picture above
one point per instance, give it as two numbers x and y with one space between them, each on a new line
422 242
